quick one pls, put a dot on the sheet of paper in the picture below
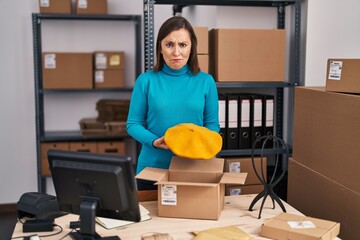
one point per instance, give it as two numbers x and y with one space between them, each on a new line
110 223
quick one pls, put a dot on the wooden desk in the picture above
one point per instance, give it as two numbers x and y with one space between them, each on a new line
235 213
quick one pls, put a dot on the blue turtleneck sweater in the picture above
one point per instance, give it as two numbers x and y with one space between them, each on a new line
163 99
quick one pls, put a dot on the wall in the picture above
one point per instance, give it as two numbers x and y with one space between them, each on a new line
332 31
17 126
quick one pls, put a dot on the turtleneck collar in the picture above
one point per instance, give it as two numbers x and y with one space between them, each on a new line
180 72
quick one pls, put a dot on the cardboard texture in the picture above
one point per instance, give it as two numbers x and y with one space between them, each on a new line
237 165
326 134
343 75
286 226
247 55
67 70
204 63
114 78
202 35
91 7
316 195
191 188
55 6
45 169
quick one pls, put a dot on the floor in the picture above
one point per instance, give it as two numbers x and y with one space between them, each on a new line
7 222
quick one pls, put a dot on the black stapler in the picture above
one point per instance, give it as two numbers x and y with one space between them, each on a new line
38 206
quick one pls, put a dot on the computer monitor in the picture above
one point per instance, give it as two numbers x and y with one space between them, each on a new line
93 185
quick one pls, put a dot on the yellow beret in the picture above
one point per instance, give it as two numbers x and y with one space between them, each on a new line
192 141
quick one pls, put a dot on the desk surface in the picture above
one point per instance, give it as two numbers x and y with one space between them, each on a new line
235 213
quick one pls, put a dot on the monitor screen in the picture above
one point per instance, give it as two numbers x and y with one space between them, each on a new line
92 185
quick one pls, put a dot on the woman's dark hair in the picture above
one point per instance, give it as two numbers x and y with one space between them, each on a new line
170 25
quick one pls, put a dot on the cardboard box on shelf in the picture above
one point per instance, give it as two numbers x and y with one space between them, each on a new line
109 60
67 70
91 7
83 147
55 6
231 190
286 226
247 55
204 63
109 78
317 195
45 169
237 165
112 147
202 35
343 75
326 134
191 188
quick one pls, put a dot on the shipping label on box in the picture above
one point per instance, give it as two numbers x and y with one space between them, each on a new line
343 75
286 226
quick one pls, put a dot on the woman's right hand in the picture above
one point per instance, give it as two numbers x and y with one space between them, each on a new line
160 143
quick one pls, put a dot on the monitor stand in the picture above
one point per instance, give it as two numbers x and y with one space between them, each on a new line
87 223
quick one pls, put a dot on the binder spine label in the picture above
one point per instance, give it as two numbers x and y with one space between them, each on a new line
257 113
245 110
233 113
269 113
222 105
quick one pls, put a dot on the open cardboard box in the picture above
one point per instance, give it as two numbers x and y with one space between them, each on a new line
286 226
191 188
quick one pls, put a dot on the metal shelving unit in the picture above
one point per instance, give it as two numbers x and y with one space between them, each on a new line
236 86
43 136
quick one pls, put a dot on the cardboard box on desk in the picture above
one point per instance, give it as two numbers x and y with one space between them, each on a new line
286 226
191 188
343 75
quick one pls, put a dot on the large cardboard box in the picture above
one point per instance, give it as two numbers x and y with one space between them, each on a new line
316 195
247 55
191 188
343 75
91 7
286 226
326 134
238 165
55 6
202 35
204 63
67 70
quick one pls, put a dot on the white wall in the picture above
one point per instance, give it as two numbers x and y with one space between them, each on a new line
17 125
333 30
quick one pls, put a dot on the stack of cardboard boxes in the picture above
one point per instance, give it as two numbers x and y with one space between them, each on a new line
109 147
202 35
252 184
80 7
323 172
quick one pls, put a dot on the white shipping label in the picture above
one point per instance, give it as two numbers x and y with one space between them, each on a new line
222 113
335 70
99 76
245 113
82 4
233 114
258 113
301 224
269 113
234 167
44 3
50 61
100 61
235 191
168 195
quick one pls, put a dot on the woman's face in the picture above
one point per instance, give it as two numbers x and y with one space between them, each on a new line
176 48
